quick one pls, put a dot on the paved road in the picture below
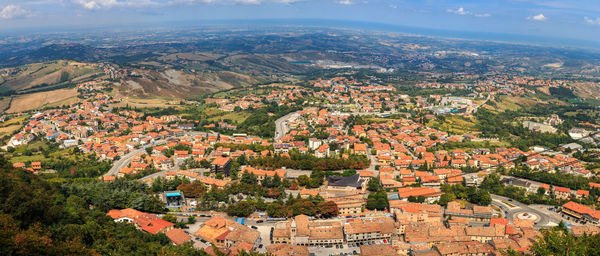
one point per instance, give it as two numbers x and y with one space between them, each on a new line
126 159
282 126
544 220
122 162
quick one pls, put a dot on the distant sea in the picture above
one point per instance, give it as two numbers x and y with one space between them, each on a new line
363 25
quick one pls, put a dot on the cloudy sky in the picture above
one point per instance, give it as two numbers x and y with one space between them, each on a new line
574 19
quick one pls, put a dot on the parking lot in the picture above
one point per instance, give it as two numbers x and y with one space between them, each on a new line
330 251
346 249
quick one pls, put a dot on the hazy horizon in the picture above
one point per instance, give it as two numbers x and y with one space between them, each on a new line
545 22
266 24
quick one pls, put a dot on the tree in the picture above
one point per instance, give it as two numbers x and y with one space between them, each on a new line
192 190
276 182
191 219
559 241
446 198
541 191
39 218
315 182
327 209
170 218
274 209
303 180
374 185
266 182
241 209
249 178
377 201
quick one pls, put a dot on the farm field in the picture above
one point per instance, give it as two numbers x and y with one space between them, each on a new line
41 99
12 125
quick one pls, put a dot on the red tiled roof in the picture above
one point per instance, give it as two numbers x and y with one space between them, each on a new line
178 236
156 225
220 160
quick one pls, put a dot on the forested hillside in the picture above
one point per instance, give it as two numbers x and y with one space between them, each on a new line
36 218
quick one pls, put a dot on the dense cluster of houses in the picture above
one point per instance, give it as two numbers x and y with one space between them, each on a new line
416 229
404 155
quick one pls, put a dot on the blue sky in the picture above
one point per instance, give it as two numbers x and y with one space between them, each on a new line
575 19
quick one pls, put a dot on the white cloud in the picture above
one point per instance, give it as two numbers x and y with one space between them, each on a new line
393 6
248 1
95 4
539 17
592 21
462 11
107 4
459 11
345 2
13 11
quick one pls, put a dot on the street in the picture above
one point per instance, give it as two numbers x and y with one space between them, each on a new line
511 208
282 126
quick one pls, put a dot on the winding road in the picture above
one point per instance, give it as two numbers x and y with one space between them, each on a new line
126 159
282 125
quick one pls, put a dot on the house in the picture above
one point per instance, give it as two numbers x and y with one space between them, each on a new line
229 234
282 233
464 248
316 233
353 181
359 231
349 204
221 165
108 178
181 154
581 212
484 234
475 214
377 250
431 194
126 171
153 224
360 148
178 236
582 193
314 143
125 215
19 165
518 183
562 193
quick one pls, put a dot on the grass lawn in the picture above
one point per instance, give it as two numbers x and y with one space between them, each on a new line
454 124
236 117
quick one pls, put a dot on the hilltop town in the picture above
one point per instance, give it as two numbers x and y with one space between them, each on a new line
334 166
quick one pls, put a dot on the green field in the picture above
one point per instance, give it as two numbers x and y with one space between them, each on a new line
454 124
